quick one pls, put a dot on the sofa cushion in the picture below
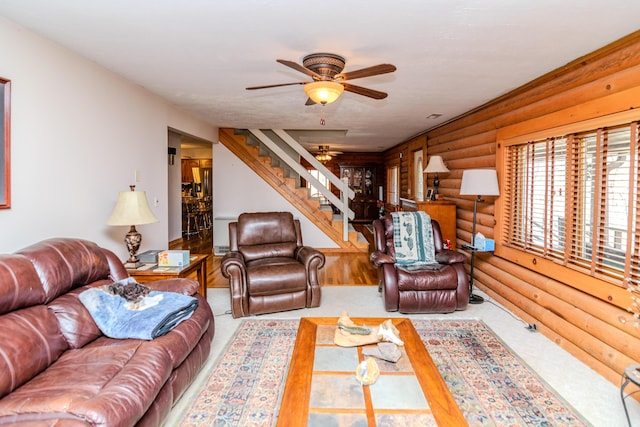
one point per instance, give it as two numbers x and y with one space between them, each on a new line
291 274
64 264
75 321
114 381
19 283
427 278
31 342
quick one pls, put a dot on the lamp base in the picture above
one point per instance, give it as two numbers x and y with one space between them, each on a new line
130 265
475 299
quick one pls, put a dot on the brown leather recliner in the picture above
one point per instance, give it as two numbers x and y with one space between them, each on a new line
268 267
440 288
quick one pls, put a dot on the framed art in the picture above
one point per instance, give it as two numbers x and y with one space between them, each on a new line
5 144
429 195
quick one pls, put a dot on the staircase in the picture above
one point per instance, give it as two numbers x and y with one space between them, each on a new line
271 171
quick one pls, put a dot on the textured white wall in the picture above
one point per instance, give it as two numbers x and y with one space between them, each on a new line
79 133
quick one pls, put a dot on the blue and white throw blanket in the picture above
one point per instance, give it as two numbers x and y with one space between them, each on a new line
155 315
413 238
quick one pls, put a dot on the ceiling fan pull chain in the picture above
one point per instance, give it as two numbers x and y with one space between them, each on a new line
322 122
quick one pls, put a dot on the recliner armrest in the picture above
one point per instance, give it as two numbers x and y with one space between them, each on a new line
306 255
450 257
232 259
378 259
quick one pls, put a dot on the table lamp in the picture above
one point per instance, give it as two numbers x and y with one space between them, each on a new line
436 165
477 182
132 209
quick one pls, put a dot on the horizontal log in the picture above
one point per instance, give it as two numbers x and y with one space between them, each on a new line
555 315
564 302
611 375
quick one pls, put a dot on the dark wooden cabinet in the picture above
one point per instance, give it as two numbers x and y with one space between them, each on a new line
189 164
362 180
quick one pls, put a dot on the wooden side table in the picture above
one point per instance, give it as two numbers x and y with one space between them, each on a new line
196 269
443 211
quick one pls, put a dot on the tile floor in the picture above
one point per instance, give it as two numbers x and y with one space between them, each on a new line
593 396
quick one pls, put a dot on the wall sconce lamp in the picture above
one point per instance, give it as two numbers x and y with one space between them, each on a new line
132 209
436 165
477 182
172 155
323 92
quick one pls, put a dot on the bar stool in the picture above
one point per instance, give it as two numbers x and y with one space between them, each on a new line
193 217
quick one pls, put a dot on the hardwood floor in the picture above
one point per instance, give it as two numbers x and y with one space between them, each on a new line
340 268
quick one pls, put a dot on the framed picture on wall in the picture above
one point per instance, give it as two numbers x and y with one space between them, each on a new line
5 155
429 195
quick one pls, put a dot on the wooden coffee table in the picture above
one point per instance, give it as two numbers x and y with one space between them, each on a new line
321 387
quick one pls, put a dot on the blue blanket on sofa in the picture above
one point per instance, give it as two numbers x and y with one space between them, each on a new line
155 315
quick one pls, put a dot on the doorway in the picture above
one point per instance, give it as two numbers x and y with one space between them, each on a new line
190 198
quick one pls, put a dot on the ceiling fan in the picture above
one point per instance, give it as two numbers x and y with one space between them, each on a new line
328 79
324 154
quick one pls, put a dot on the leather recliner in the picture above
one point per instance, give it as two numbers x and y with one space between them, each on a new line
434 288
268 267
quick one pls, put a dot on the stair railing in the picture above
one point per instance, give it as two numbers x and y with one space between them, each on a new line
346 193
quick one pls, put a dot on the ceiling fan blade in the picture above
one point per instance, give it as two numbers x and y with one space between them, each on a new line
366 72
276 85
300 68
309 102
364 91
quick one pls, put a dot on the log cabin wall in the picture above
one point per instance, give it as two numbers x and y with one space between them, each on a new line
590 327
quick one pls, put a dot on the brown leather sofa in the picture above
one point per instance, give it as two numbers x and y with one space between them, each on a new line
440 288
268 267
56 367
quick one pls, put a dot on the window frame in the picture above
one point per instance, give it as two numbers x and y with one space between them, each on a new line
600 286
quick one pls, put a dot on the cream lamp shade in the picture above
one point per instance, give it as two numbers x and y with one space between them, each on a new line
323 92
132 209
479 182
436 165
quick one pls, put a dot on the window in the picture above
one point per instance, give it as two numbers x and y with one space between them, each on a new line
314 192
573 199
393 179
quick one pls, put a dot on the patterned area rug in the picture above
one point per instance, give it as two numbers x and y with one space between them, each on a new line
492 386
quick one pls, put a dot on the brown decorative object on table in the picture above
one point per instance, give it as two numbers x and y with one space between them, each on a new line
132 209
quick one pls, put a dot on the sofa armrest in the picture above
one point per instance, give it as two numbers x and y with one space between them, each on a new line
182 286
378 259
450 257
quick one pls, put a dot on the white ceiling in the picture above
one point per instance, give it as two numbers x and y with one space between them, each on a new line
451 55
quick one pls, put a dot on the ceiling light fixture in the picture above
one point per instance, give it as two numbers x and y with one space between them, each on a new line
323 92
323 157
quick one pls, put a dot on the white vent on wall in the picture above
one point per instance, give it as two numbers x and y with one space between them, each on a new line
221 234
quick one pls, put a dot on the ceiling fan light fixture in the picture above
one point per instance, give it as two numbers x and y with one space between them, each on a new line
323 157
323 92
